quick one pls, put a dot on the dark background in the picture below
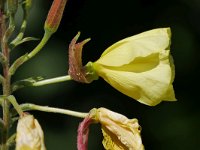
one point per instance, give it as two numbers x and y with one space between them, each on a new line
167 126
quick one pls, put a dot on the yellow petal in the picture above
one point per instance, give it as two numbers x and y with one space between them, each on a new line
148 87
170 95
141 45
120 133
140 67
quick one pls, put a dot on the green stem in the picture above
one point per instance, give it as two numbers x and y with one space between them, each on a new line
42 43
26 107
25 58
52 80
6 80
13 101
44 40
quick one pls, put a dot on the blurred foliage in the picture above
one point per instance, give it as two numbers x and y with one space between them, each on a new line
173 126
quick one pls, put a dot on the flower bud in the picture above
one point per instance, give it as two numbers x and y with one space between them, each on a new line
54 16
29 134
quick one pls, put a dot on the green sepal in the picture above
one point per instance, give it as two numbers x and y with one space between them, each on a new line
91 74
24 83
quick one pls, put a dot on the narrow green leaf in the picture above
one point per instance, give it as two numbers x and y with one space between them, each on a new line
17 63
24 83
27 39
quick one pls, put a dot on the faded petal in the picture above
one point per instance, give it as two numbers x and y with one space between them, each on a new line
120 133
29 134
83 132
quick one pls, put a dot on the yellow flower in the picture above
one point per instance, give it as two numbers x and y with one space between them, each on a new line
120 133
29 134
140 66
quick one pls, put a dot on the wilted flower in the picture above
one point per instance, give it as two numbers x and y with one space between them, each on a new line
120 133
29 134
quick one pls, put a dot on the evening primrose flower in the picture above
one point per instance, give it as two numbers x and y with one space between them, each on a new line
120 133
139 66
29 134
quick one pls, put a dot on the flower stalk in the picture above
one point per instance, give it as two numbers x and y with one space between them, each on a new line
28 106
52 80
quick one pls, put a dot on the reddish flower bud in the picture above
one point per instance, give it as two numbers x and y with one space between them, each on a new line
54 16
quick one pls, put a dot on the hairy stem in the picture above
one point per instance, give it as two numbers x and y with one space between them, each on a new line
5 34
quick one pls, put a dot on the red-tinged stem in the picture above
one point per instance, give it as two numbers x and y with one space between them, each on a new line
4 35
